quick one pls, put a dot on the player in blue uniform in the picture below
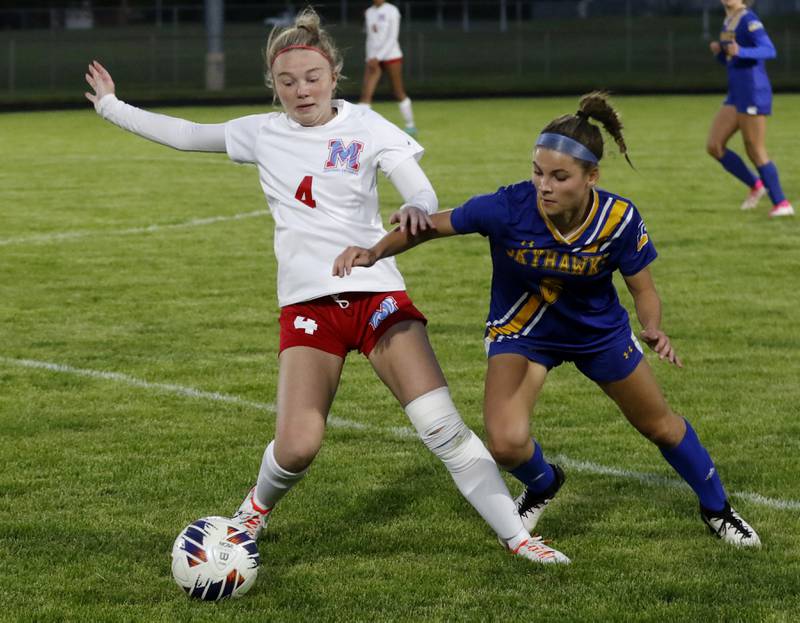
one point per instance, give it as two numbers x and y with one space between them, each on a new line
555 242
743 48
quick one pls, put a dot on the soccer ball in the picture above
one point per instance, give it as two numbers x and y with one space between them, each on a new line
214 558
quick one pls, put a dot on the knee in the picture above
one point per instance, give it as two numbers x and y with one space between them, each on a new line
508 451
665 431
757 154
296 455
442 430
715 149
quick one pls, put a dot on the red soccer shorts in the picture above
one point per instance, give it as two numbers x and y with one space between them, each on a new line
391 61
344 322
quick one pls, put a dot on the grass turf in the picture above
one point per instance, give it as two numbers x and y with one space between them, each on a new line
100 473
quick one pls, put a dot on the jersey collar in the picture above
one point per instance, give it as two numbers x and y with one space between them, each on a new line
342 111
573 236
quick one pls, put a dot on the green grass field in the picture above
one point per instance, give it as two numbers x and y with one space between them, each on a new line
138 366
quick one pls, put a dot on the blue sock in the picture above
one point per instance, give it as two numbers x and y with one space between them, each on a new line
692 461
535 473
769 174
734 165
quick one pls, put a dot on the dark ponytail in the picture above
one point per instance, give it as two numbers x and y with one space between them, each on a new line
595 106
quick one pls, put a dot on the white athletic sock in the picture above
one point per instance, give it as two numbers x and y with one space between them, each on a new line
365 105
273 481
405 110
472 467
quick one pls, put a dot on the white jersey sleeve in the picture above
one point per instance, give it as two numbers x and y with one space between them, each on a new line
394 145
170 131
241 136
414 186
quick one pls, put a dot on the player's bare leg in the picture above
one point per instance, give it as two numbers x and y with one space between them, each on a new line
723 127
513 384
641 400
405 362
372 76
307 382
395 72
754 134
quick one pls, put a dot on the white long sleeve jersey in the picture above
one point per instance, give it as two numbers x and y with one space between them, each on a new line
320 183
383 31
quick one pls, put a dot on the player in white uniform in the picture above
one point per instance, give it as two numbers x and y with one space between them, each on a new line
382 22
317 163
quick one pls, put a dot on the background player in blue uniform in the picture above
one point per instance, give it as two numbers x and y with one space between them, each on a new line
555 242
743 48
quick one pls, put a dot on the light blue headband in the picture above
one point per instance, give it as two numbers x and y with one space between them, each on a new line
566 145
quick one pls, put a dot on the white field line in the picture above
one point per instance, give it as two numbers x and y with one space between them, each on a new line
76 235
398 431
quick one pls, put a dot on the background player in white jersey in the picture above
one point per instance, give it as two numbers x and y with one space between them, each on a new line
317 162
382 23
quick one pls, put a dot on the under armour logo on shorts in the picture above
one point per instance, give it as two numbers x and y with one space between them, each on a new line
306 324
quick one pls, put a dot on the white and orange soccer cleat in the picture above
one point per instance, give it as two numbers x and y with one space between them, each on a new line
754 196
251 516
535 550
784 208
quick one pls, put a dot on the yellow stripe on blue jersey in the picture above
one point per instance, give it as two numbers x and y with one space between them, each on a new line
607 223
551 289
518 321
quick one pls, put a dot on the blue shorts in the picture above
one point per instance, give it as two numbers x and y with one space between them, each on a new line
614 362
750 102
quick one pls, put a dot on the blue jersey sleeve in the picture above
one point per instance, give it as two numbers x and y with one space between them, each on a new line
636 248
755 44
479 214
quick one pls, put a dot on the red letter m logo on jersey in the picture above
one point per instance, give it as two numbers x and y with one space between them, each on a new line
340 156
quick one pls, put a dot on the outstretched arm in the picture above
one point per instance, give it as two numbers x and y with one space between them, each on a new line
648 310
396 241
170 131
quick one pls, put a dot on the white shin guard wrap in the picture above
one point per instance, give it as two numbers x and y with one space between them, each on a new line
475 473
273 481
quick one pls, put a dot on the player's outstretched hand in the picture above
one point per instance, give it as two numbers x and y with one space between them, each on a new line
100 80
715 47
413 219
658 341
350 257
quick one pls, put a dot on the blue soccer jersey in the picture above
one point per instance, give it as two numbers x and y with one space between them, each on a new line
556 290
749 89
